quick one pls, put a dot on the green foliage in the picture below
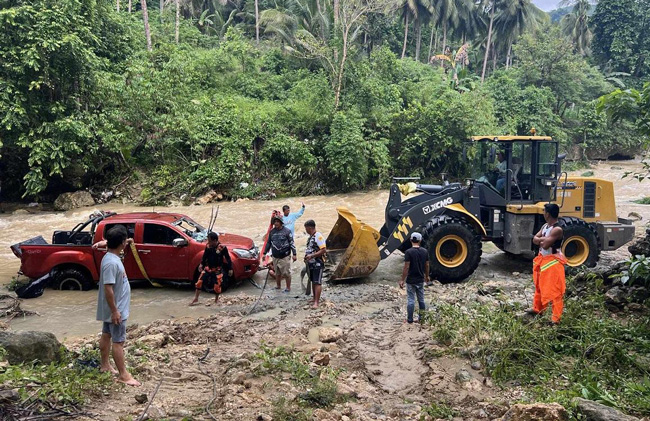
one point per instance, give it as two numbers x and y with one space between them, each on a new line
439 411
620 35
60 383
590 354
346 152
637 271
319 385
643 201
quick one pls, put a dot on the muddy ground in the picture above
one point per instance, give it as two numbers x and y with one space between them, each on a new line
389 370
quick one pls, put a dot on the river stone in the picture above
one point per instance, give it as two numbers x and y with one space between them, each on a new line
615 296
25 347
78 199
536 412
463 376
594 411
156 340
321 358
329 334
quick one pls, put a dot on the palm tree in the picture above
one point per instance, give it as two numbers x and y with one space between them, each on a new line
178 20
470 23
513 19
421 12
257 22
446 15
575 25
406 12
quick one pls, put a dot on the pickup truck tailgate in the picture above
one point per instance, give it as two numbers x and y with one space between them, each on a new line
35 241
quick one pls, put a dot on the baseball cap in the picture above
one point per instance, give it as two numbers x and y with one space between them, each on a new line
416 236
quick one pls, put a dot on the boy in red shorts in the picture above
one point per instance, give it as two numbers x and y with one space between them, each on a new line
216 260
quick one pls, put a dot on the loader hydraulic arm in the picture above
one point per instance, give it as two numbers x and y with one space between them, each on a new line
414 217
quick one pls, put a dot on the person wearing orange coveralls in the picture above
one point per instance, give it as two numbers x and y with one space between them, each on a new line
548 266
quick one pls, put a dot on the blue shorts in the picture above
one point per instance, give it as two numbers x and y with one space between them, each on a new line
117 332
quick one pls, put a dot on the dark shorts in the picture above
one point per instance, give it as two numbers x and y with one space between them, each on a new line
210 281
117 332
316 273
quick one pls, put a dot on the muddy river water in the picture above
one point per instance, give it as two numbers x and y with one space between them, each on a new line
70 314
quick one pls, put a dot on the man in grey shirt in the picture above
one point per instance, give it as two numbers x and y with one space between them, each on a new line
113 303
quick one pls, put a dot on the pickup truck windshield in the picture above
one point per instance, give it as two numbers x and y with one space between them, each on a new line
191 228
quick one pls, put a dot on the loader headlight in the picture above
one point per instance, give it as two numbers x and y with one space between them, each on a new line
252 253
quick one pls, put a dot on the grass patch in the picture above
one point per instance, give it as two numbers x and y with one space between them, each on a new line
62 383
643 201
319 384
590 354
587 174
439 411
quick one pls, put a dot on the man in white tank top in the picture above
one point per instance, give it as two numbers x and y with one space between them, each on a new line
548 266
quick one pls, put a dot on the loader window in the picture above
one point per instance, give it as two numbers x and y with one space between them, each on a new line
547 156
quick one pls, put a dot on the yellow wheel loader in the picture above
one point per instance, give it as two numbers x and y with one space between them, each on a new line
511 179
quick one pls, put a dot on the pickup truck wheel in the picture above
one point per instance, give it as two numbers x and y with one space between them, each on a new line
72 280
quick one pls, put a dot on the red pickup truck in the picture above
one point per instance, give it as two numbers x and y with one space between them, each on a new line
169 245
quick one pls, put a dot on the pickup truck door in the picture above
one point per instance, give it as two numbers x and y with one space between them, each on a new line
159 257
131 267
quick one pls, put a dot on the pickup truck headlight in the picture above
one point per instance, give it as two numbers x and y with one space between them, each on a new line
247 254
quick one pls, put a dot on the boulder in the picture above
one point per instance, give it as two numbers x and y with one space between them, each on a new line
209 197
642 246
156 340
616 296
329 334
594 411
25 347
78 199
463 376
536 412
321 358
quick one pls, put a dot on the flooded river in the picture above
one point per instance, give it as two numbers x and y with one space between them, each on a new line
70 314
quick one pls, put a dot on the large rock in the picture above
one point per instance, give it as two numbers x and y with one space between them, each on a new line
78 199
616 296
329 334
25 347
594 411
642 246
536 412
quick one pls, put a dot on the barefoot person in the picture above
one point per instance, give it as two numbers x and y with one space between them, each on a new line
215 262
113 304
548 266
415 274
314 253
283 250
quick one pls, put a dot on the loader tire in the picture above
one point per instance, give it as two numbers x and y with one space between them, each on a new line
72 279
580 243
454 248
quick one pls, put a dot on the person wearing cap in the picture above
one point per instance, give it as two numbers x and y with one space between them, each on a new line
314 252
415 274
283 250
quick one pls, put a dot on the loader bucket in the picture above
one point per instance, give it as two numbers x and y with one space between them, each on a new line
351 247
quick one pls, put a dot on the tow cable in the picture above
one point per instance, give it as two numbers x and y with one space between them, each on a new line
207 349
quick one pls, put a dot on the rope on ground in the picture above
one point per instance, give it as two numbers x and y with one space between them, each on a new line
207 350
144 413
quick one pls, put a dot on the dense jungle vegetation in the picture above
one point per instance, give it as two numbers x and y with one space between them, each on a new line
303 96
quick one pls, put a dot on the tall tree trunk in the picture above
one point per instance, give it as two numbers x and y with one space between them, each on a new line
130 6
337 7
444 41
435 43
489 41
406 32
494 59
118 6
257 22
178 20
344 55
162 5
508 56
431 43
418 39
145 18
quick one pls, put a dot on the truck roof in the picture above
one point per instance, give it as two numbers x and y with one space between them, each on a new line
151 216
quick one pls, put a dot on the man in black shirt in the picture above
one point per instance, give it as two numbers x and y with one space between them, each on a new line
415 274
216 260
283 250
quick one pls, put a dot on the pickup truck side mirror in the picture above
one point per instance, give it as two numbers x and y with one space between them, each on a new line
179 242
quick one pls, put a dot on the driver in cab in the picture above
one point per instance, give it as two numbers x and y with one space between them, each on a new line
501 169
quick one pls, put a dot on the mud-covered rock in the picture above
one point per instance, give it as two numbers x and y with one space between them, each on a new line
25 347
594 411
329 334
536 412
642 246
463 376
73 200
406 411
616 297
209 197
156 340
321 358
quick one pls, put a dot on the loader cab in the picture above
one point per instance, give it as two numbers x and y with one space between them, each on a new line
513 169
